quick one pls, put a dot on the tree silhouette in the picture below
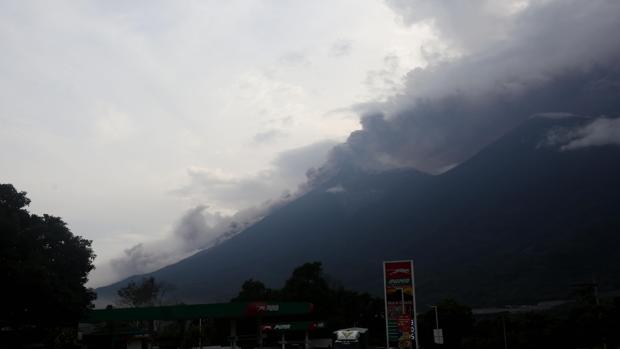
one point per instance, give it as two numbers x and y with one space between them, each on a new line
148 292
43 267
254 290
307 283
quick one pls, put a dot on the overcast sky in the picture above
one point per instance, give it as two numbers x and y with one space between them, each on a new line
156 127
121 117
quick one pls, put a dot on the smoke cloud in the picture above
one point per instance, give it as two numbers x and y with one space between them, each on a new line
196 230
516 59
599 132
508 61
201 227
602 131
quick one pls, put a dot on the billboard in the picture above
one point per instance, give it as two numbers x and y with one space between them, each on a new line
400 313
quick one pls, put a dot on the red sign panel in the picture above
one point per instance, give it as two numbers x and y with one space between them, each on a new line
400 310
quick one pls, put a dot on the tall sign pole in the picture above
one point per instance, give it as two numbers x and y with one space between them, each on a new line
387 321
401 324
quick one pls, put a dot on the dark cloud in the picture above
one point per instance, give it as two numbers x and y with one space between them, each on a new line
435 133
295 162
134 261
554 56
466 24
193 224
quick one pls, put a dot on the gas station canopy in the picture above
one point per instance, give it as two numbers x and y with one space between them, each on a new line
198 311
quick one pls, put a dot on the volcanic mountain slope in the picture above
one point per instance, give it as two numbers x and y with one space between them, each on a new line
520 221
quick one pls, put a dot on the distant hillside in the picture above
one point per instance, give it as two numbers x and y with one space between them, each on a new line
518 222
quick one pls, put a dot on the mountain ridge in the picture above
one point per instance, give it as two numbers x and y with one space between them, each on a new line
485 231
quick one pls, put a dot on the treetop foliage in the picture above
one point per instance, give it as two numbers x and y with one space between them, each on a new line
308 283
148 292
43 266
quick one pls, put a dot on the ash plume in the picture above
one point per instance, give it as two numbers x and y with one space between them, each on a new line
202 227
516 61
198 229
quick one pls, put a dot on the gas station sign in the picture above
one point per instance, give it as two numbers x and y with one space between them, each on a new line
400 312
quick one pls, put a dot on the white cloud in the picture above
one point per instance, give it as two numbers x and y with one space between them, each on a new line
271 135
336 189
603 131
113 101
340 48
114 126
226 192
599 132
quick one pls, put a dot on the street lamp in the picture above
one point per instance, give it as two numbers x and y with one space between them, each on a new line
437 332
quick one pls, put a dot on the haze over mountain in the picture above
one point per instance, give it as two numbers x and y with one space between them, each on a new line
494 167
497 64
520 221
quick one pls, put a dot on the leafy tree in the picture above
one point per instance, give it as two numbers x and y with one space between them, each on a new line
254 290
43 267
148 292
307 283
349 308
338 306
455 319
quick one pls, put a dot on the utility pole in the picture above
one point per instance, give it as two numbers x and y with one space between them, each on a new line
594 287
200 333
437 332
598 308
504 328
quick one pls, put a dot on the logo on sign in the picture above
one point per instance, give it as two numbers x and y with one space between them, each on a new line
261 307
403 271
399 281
